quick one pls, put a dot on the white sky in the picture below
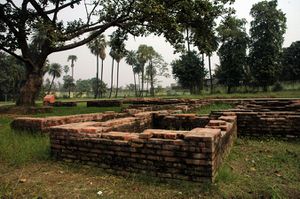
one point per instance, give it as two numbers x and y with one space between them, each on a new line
85 67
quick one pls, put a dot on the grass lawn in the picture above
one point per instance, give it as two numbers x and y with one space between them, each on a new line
280 94
255 168
213 107
79 109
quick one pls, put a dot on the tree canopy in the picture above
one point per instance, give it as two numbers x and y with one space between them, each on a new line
189 71
12 73
267 30
291 62
233 52
19 20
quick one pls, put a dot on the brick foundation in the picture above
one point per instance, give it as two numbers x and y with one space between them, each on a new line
42 124
187 155
104 103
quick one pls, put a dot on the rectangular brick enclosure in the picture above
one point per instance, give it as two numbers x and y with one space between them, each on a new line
133 144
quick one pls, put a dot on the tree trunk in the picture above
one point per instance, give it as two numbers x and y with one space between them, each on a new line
101 94
97 78
210 75
135 90
188 39
139 79
147 87
51 85
151 81
30 89
72 68
142 91
112 77
228 89
118 67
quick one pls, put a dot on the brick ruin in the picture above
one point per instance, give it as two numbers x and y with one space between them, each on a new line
279 118
134 144
162 140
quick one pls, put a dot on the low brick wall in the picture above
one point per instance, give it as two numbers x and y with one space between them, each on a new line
278 124
42 124
64 104
270 124
270 105
187 155
274 118
184 106
104 103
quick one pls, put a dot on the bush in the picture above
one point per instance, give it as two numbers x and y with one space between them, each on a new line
277 87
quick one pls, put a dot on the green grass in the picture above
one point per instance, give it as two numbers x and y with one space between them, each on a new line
213 107
79 109
206 95
17 148
255 168
280 94
261 167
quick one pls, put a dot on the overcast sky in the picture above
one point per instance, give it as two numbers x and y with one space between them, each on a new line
85 67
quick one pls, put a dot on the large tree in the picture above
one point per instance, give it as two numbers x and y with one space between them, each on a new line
201 28
18 20
233 52
267 30
189 71
291 62
12 74
97 47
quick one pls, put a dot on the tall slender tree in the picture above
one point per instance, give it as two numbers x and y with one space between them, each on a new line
156 67
143 55
97 47
267 30
131 59
112 53
119 57
55 71
72 58
118 52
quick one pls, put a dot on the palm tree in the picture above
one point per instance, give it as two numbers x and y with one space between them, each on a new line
112 53
102 57
72 58
54 71
66 69
97 47
131 60
119 56
117 52
38 39
143 54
